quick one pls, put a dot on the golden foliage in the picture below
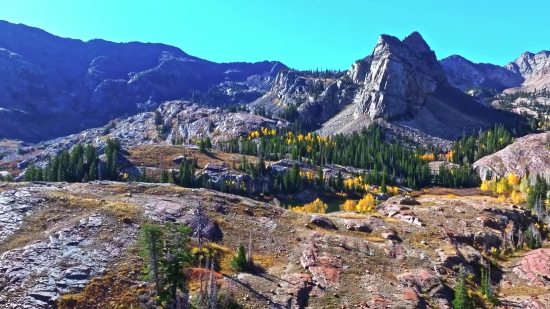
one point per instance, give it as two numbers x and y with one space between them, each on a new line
501 198
349 205
393 190
502 186
316 206
428 157
366 204
517 197
513 179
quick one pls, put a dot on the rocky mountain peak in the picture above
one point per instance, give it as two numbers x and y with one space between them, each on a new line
529 64
399 76
416 42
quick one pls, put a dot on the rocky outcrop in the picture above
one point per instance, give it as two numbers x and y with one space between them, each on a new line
167 211
325 269
322 221
14 207
535 267
36 275
400 75
54 86
464 74
526 154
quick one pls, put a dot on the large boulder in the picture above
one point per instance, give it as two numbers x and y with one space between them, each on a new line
322 221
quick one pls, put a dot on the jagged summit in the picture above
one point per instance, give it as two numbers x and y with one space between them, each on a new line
416 42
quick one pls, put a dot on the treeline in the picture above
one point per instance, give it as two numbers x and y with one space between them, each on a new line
81 164
322 73
367 150
467 150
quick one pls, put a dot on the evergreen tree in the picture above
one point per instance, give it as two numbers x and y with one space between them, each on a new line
239 262
176 258
164 176
151 242
319 178
462 298
30 172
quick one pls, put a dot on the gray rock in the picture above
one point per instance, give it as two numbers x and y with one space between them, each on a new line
322 221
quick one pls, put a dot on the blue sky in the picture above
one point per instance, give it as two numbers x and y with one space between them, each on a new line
300 33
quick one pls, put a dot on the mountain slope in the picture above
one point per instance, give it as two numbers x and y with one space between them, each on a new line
54 86
528 154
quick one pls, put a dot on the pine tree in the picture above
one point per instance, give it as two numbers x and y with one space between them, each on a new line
93 170
462 298
151 242
239 262
383 187
30 172
319 178
164 176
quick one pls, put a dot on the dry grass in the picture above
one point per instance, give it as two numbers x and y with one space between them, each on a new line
374 238
115 208
523 290
162 156
264 261
351 216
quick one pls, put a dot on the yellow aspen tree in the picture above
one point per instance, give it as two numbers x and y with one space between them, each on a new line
366 204
349 205
513 179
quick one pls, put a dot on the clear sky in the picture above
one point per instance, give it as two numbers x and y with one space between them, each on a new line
302 34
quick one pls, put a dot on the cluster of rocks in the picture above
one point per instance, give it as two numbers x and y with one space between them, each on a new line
399 207
186 212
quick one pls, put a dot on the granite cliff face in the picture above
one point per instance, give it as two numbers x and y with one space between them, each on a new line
53 86
400 74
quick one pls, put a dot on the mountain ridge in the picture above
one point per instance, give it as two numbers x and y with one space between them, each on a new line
48 79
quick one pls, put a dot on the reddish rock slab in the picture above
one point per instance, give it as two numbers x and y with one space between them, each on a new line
535 267
325 269
169 211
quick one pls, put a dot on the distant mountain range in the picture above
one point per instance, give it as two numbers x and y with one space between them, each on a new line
52 86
